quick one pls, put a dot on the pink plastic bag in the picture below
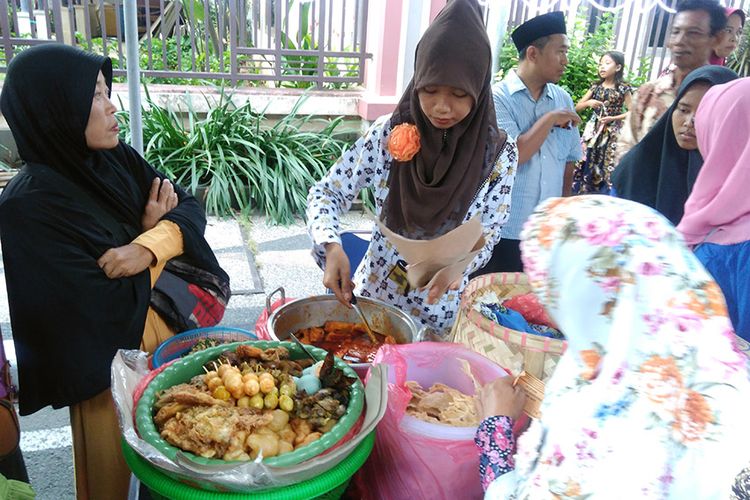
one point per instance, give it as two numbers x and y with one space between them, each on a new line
531 309
413 459
261 326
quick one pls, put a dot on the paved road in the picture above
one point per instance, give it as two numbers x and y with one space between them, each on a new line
282 255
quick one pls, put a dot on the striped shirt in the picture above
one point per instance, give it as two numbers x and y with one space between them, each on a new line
542 176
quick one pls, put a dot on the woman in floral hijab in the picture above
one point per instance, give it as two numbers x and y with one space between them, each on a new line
652 398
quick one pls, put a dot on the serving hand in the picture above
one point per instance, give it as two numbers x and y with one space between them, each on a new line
336 274
437 291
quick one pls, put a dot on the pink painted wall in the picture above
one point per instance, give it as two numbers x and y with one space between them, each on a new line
381 72
435 7
384 42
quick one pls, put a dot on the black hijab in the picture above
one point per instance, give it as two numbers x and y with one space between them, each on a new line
666 185
67 207
430 195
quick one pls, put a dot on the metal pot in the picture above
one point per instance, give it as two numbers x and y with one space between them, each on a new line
316 310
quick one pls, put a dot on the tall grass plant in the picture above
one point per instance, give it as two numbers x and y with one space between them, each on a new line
235 159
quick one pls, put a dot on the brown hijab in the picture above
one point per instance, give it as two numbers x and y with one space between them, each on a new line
430 194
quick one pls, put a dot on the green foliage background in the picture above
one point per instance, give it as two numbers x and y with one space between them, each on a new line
585 51
235 158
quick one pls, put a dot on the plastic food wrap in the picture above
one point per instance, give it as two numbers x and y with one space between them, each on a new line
128 370
418 459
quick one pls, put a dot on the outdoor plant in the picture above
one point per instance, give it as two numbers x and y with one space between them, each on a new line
234 159
171 48
307 65
174 50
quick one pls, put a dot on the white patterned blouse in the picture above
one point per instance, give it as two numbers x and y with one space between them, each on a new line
381 274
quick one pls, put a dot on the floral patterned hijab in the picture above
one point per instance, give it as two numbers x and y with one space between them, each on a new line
652 397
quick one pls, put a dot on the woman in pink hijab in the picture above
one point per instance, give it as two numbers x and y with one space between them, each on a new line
717 213
729 37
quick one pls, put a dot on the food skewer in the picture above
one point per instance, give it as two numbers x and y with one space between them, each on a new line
370 333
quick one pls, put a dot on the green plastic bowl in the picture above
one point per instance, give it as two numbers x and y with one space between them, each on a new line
327 486
183 370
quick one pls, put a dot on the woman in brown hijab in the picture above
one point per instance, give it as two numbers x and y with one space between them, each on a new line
436 162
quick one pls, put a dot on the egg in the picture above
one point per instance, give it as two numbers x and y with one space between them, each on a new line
314 369
308 383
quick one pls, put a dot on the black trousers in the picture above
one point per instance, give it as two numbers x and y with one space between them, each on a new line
506 258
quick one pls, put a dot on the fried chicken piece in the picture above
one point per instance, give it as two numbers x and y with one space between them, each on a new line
275 354
286 366
272 354
188 395
211 431
301 430
168 411
248 351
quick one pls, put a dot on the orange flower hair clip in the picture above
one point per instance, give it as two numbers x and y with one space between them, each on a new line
404 142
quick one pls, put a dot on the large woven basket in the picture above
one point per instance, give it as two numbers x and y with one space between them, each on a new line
511 349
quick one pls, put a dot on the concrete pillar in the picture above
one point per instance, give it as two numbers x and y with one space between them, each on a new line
384 20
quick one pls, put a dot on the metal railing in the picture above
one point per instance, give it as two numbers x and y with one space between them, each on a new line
287 42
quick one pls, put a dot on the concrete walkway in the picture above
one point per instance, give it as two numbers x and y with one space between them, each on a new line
282 257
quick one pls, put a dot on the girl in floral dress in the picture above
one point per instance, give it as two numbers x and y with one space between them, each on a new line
607 98
435 163
652 397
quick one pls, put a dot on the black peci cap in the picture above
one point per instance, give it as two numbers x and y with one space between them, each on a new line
537 27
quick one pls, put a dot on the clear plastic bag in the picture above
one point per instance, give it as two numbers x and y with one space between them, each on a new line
413 459
129 368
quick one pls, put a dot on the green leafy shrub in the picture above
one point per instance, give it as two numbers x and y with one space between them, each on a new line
171 49
175 54
307 65
236 159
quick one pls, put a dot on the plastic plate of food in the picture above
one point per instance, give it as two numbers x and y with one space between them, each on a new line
237 401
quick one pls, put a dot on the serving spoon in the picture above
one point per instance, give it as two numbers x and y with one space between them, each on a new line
370 333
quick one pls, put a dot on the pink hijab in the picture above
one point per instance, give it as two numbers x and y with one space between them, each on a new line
718 209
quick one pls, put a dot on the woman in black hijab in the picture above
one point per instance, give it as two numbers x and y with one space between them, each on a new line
665 186
438 161
87 227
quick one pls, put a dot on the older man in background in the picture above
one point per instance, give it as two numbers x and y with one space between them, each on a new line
696 29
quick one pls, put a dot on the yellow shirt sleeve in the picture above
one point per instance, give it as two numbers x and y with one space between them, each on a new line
164 240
